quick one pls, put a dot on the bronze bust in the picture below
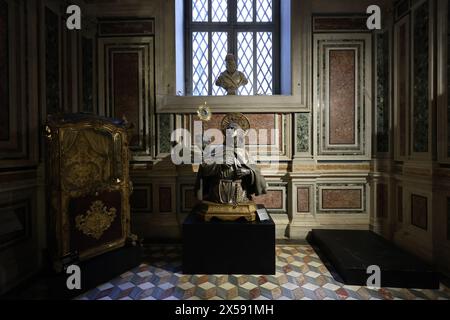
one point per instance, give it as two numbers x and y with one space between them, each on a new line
231 79
228 185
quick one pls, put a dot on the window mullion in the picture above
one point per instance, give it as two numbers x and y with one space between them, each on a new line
209 27
191 65
276 48
255 68
232 21
232 11
188 48
209 12
210 80
232 41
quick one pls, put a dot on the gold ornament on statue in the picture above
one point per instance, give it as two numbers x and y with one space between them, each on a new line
204 112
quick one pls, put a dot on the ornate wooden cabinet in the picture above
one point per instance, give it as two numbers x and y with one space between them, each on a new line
88 186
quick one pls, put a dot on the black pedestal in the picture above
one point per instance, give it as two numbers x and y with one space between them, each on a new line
351 252
220 247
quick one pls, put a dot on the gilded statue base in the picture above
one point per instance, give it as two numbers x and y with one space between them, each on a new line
227 212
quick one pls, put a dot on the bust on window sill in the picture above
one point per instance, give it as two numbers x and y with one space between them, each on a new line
231 79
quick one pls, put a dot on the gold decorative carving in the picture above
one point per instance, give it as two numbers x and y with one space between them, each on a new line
204 112
227 212
97 220
85 166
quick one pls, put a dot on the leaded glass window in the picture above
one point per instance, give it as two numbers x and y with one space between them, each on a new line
246 28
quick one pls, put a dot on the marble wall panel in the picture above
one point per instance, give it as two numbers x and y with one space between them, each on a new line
165 199
403 90
88 74
382 200
274 199
400 204
419 211
341 199
421 79
4 71
141 199
126 89
448 219
303 133
303 197
52 62
383 92
342 96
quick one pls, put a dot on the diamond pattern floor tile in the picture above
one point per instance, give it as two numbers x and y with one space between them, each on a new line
227 291
300 275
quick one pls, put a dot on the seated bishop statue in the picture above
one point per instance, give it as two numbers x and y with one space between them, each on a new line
228 178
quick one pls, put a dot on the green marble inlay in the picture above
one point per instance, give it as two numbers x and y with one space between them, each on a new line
88 73
52 61
421 78
383 92
302 132
164 133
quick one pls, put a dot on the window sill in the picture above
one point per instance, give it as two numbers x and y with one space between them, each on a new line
223 104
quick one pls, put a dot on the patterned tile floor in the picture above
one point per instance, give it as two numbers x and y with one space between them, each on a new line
300 274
